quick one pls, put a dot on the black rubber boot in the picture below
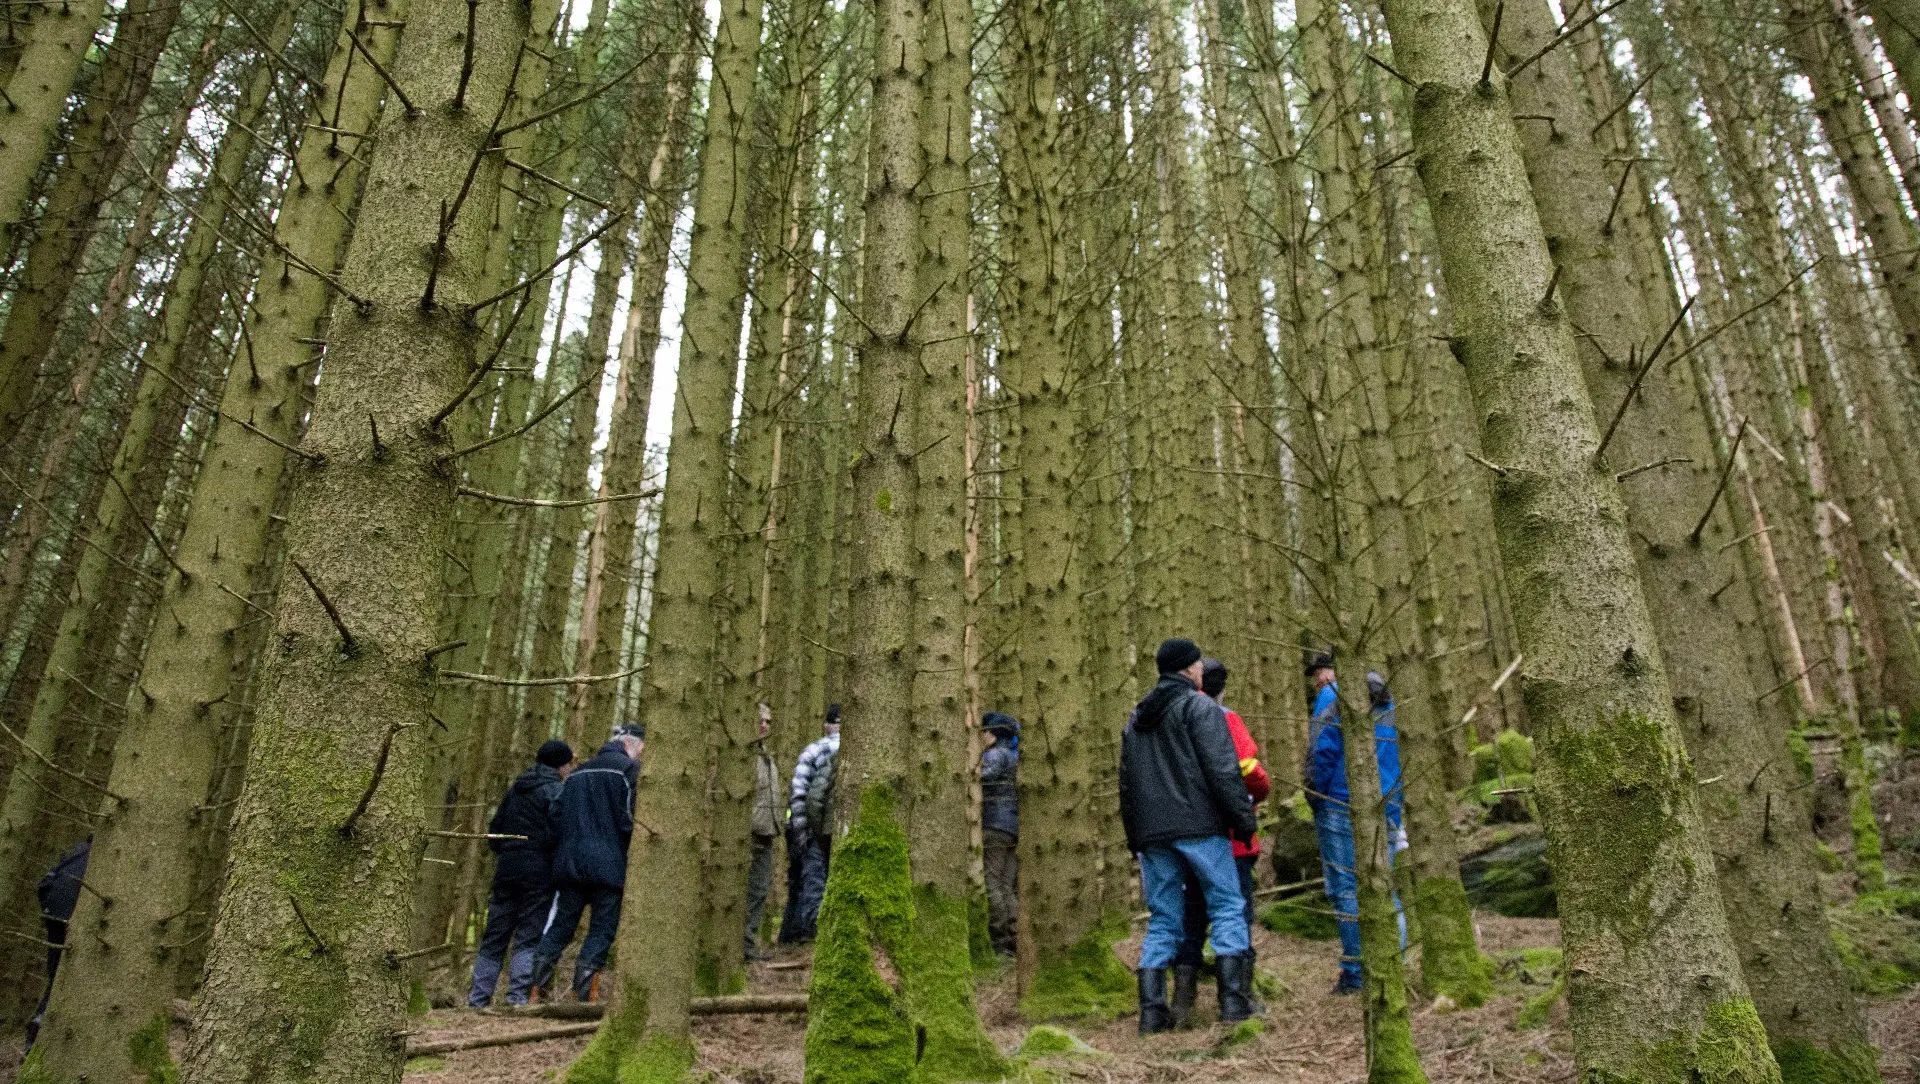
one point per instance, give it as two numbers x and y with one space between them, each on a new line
1186 981
1236 988
542 975
1154 1015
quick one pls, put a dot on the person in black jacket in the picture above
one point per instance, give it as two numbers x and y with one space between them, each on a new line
522 877
1000 828
1181 799
59 893
592 823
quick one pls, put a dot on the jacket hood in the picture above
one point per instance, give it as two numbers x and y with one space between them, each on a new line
1152 708
534 778
613 746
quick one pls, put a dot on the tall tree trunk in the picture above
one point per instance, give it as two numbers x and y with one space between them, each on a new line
647 1021
626 453
329 829
41 78
152 846
1066 930
98 140
1651 1000
84 605
1662 446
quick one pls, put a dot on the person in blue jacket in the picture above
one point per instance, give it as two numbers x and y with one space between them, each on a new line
591 823
1325 776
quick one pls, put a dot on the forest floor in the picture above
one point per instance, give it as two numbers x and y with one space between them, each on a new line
1311 1036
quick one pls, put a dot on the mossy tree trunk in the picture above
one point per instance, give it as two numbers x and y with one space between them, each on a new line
1764 853
302 983
152 838
647 1032
1652 1000
891 970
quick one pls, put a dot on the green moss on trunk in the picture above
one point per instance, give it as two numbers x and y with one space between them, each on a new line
1802 1062
939 985
892 993
1087 982
1451 965
620 1052
1730 1048
859 1025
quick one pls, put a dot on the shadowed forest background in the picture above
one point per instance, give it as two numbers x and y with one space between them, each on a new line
390 386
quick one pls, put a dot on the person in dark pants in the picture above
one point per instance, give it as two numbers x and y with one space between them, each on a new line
767 815
1000 828
59 893
592 823
1246 853
1181 799
809 832
522 877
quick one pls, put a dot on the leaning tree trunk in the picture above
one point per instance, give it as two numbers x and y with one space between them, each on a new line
302 979
148 849
1651 1000
647 1029
97 141
1672 485
37 89
84 604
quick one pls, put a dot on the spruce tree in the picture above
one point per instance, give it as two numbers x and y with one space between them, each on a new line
317 901
1650 1000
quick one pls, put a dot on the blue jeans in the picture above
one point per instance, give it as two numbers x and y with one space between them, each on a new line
517 916
1193 944
807 862
1334 825
1164 870
571 901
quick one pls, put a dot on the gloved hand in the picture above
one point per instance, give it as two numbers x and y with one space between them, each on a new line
1244 837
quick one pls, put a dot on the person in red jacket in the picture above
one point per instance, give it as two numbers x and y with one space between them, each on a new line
1188 960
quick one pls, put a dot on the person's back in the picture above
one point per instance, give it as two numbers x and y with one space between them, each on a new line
526 810
522 892
592 823
1326 771
999 775
812 776
1182 801
1179 775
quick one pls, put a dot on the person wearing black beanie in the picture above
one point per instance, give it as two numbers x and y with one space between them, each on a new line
522 877
1176 655
1182 802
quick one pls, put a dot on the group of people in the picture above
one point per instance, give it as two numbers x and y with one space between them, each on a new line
560 836
1190 779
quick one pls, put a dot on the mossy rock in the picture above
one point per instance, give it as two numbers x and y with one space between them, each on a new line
1048 1041
1512 879
1301 919
1510 753
1292 846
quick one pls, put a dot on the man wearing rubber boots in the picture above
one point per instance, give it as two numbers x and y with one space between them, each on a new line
1183 801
